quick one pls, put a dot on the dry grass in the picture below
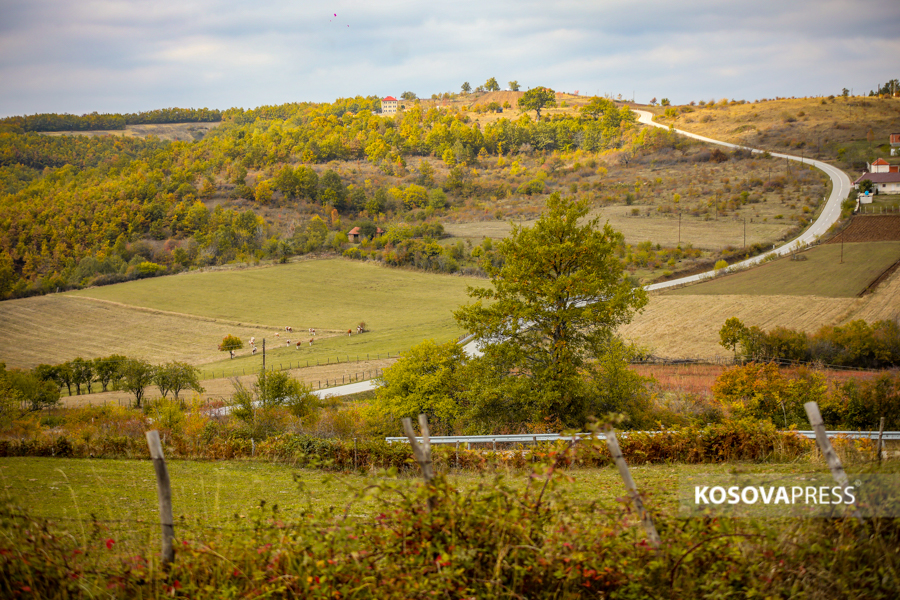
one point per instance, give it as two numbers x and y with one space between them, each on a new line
688 326
682 326
174 132
778 125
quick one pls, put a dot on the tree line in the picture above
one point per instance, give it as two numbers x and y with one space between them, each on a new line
112 121
857 344
42 386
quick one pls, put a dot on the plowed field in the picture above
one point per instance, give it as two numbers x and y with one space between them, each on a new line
875 228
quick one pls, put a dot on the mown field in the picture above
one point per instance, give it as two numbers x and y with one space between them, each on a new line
820 273
400 308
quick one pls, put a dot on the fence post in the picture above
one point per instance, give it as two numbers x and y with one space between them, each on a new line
831 457
457 455
646 519
421 452
354 453
164 493
880 436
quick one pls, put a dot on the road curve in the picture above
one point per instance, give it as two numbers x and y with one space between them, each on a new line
831 212
840 189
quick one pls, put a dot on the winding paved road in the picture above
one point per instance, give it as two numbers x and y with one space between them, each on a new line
840 189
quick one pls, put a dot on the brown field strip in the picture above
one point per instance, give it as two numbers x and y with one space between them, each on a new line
874 228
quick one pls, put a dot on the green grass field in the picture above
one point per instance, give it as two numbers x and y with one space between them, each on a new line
121 494
821 274
400 308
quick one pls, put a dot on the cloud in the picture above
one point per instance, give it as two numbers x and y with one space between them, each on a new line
123 56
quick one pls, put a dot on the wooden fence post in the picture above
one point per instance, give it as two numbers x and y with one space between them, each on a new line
646 519
164 492
831 457
878 446
421 452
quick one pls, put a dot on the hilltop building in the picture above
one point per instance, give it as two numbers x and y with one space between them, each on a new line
884 175
389 105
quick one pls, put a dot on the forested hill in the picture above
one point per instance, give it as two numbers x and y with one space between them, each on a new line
86 210
98 122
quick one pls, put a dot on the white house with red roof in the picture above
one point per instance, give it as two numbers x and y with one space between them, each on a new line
884 176
389 105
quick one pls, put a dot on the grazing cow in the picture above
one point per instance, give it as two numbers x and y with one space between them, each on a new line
312 331
349 333
298 344
277 335
289 329
253 341
254 350
359 329
288 342
310 341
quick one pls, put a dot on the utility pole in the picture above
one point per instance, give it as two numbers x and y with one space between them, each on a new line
745 232
679 226
264 355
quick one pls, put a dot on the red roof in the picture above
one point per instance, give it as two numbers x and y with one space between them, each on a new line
880 162
895 138
389 99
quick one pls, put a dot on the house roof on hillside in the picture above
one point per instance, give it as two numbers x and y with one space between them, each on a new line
389 99
355 231
892 177
880 162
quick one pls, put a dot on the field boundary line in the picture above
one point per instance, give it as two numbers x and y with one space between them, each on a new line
170 313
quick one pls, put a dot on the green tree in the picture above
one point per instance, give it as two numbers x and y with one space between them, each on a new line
272 390
866 185
514 85
429 378
107 369
465 87
731 334
491 85
136 376
230 343
177 376
553 310
408 95
82 374
537 98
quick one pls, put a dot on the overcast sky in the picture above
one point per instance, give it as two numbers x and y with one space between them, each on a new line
135 55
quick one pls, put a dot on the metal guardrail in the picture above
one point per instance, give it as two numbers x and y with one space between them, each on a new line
533 438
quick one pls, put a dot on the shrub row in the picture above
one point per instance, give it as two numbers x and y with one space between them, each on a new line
728 441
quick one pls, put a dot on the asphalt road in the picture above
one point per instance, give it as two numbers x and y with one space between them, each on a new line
840 189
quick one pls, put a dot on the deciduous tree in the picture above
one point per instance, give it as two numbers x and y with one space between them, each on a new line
491 85
136 376
230 343
554 308
428 379
537 98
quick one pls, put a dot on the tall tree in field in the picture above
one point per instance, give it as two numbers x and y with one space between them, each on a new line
136 376
175 377
491 85
230 343
550 319
514 85
465 87
537 98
